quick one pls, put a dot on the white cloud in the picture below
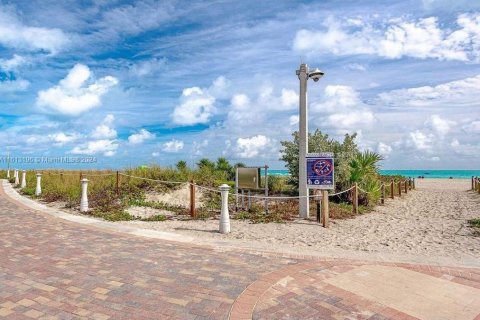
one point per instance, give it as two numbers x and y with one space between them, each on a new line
14 85
140 137
439 125
173 146
135 18
14 34
356 67
251 147
13 63
289 98
72 96
105 130
196 106
61 138
459 92
107 147
342 108
294 120
352 119
384 149
148 67
465 149
199 147
421 140
220 88
395 38
472 127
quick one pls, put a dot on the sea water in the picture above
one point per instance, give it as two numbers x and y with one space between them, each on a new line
437 174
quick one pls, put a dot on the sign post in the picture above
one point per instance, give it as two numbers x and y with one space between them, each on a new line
320 171
321 177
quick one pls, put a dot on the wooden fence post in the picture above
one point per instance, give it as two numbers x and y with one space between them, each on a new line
192 199
413 184
406 186
399 188
325 210
117 184
409 183
392 190
81 175
382 199
355 199
473 183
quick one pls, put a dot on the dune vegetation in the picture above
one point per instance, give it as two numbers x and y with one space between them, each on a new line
111 203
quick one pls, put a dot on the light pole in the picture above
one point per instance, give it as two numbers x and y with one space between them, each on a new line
303 75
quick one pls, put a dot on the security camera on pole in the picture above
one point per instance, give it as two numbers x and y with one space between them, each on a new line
303 75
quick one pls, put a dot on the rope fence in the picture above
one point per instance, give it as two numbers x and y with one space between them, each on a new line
222 195
476 184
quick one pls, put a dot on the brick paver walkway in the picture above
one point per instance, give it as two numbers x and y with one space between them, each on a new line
54 269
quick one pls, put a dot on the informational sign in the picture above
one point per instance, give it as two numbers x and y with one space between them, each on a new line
248 178
320 171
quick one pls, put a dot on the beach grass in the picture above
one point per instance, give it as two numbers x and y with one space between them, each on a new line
64 186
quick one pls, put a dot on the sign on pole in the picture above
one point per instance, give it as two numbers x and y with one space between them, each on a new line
320 170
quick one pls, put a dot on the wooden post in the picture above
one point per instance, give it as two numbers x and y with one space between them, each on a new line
325 209
318 198
382 199
406 186
473 183
409 183
192 199
117 184
413 183
399 188
392 189
266 189
355 199
81 175
61 176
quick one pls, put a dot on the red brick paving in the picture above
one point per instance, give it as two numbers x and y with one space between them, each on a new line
53 269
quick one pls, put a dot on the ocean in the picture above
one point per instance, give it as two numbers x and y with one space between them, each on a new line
437 174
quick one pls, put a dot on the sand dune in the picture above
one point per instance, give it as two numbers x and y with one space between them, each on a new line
430 221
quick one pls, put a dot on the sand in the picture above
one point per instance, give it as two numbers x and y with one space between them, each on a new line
430 221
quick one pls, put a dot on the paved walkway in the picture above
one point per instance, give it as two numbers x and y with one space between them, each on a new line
56 269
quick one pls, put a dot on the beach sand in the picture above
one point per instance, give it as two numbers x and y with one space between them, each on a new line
429 221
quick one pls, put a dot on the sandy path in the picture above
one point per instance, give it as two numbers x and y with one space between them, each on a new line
429 221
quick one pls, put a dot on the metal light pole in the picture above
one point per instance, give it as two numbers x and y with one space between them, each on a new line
303 75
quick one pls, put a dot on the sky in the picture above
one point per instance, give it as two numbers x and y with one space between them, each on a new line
140 82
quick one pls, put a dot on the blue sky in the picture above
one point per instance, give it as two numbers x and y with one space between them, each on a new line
139 82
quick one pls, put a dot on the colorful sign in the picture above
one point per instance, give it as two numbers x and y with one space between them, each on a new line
320 170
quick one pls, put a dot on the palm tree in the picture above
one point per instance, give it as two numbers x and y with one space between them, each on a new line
223 165
181 165
364 165
205 163
364 171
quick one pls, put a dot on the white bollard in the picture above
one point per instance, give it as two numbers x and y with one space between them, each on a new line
8 174
38 189
84 200
224 215
17 181
24 180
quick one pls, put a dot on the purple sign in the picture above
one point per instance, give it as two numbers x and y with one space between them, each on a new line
320 170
